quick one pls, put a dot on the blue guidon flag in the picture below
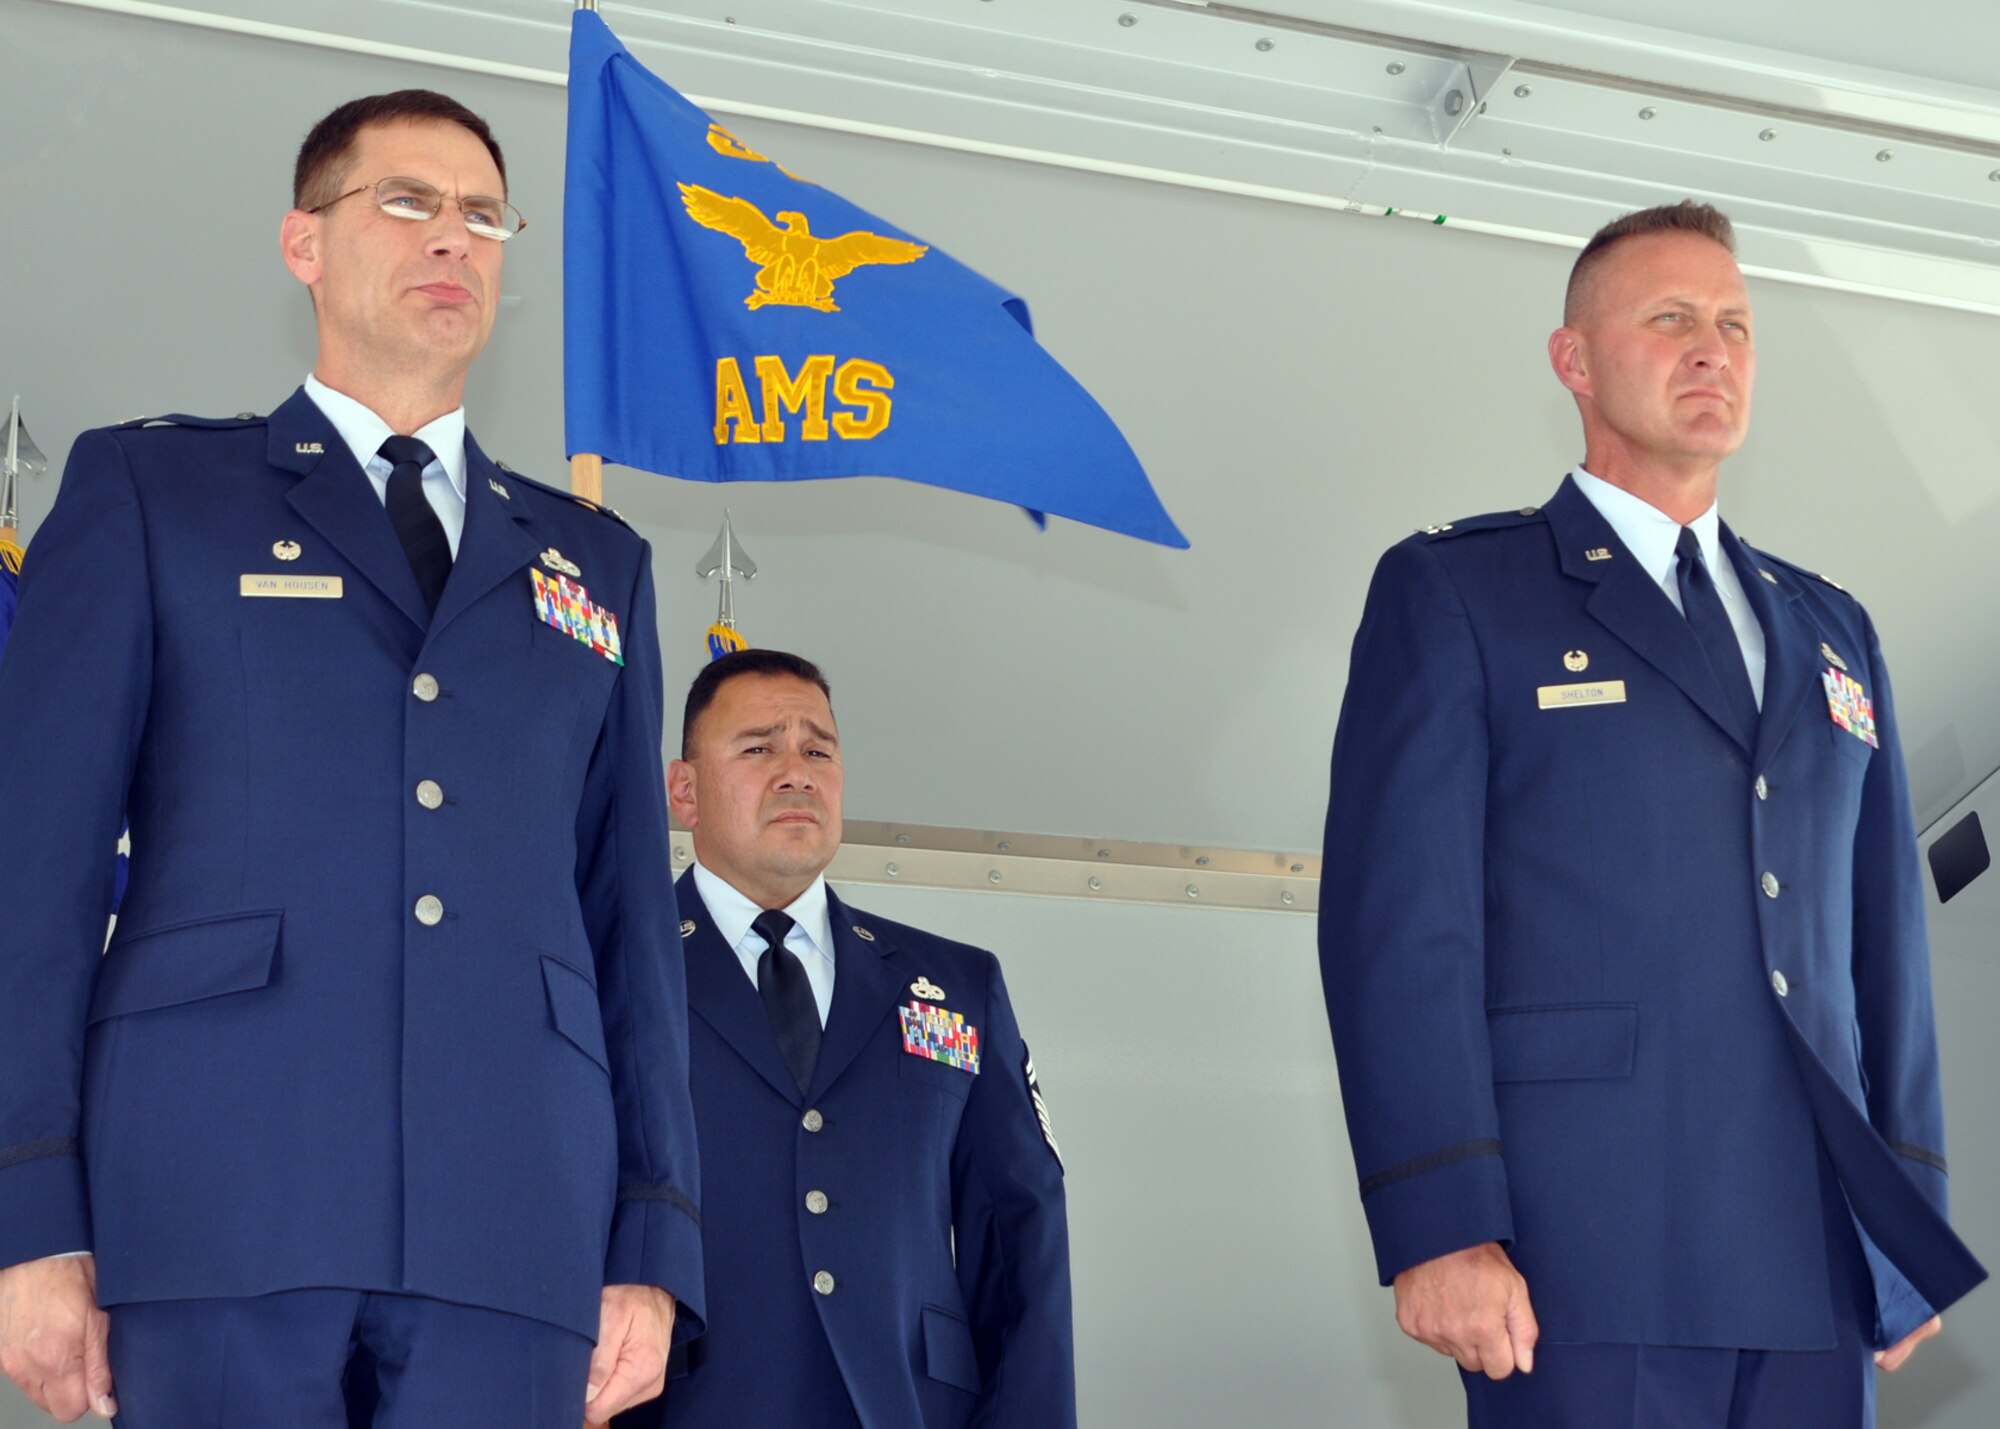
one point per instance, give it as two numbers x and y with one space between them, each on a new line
727 320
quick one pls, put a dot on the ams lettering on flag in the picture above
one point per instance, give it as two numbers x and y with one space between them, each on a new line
727 320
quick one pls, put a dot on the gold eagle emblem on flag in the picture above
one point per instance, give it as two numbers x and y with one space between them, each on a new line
797 268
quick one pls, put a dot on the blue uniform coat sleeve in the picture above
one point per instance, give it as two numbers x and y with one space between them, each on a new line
627 894
1892 977
1401 921
84 629
1013 1237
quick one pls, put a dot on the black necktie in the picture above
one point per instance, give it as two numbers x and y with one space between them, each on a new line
788 997
1702 606
417 525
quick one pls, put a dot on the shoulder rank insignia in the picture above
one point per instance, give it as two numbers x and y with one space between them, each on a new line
940 1036
556 561
1438 530
1041 1108
923 987
687 928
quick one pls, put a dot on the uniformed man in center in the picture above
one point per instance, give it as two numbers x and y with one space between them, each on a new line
884 1221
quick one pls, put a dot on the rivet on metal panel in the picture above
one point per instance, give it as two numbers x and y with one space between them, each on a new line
1193 892
1096 885
1522 91
1883 156
1454 102
993 876
902 838
1768 135
1395 66
1201 862
892 870
680 852
1104 853
1286 897
1298 868
1995 176
1265 46
1006 847
1128 20
1648 112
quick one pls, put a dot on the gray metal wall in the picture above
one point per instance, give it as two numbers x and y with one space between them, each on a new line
1305 388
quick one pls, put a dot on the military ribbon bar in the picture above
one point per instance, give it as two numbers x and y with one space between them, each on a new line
564 605
1849 705
939 1035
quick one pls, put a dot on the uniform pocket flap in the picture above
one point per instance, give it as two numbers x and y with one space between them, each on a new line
1572 1042
573 1005
187 962
948 1355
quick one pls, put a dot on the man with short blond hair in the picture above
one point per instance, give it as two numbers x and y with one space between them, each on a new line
375 1111
1622 929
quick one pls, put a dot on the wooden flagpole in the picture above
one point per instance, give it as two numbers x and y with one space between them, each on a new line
586 471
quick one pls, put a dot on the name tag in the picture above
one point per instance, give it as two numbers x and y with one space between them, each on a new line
1562 697
293 587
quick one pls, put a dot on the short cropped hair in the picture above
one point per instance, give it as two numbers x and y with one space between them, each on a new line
717 673
1687 216
328 152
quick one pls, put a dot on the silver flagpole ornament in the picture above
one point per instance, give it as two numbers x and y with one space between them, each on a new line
22 456
725 561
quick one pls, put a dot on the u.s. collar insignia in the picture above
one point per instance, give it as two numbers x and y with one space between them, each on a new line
1597 553
1831 658
285 550
308 449
556 561
498 490
926 989
863 934
687 927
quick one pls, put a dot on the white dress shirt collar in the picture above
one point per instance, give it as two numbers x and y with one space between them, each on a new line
1650 534
364 432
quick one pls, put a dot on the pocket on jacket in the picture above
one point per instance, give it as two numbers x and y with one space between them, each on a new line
948 1352
1568 1042
186 962
573 1007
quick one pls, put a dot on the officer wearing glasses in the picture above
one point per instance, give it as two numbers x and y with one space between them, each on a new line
376 1109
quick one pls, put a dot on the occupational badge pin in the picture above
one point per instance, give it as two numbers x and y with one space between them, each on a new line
923 987
308 449
1826 651
1576 660
687 927
863 934
498 490
285 550
556 561
1597 553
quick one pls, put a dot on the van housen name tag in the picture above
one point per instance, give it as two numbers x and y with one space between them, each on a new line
1601 692
294 587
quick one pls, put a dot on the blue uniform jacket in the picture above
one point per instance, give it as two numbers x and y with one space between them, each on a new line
911 1156
1599 975
281 1074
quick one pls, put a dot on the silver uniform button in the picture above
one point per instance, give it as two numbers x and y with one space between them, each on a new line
1763 789
823 1283
425 688
430 910
430 794
1769 883
816 1202
812 1120
1778 983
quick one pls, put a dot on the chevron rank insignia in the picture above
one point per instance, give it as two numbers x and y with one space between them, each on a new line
1042 1109
940 1036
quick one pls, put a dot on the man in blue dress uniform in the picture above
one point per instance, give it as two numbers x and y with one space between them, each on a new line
1622 929
376 1109
883 1200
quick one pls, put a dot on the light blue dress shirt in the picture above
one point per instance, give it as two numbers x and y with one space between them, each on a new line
811 938
364 433
1652 536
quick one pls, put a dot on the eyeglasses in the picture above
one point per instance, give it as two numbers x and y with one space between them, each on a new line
419 202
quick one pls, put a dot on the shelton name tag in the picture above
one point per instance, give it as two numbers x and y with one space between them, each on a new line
1600 692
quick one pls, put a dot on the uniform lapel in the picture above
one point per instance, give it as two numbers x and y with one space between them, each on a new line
338 501
494 545
725 998
1791 649
1631 605
865 986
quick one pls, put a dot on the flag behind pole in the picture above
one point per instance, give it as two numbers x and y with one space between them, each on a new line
725 320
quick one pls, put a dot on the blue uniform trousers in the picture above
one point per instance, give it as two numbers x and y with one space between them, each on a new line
341 1359
1585 1386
